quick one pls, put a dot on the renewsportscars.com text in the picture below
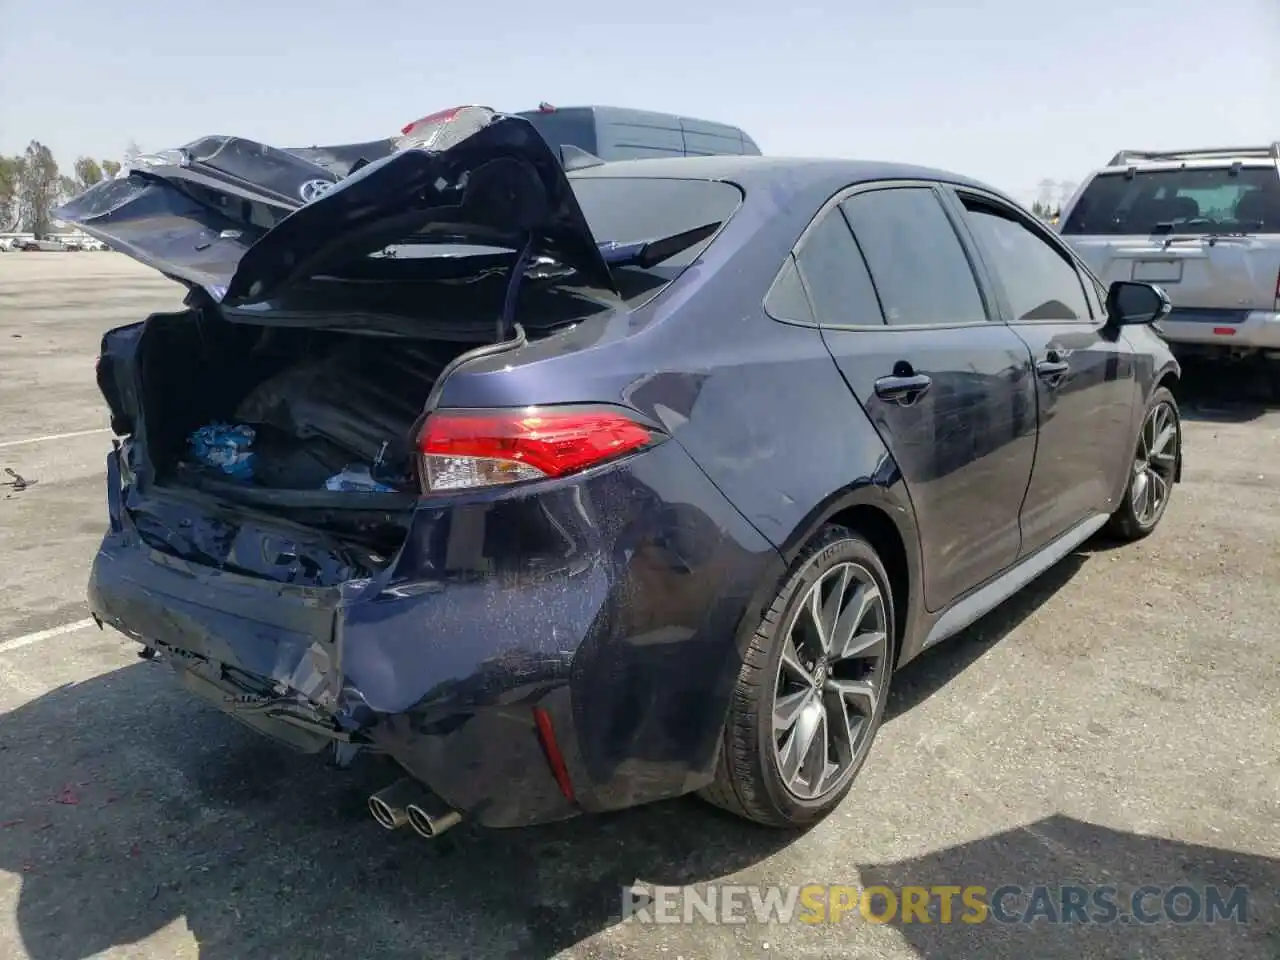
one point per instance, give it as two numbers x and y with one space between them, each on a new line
937 903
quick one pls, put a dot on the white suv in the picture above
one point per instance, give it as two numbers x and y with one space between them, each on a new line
1203 224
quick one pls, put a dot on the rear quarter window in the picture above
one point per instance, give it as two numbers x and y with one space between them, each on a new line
632 209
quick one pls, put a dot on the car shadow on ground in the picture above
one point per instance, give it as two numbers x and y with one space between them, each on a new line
128 809
1060 852
1222 393
1142 914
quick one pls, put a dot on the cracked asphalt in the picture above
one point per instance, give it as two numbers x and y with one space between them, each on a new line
1116 724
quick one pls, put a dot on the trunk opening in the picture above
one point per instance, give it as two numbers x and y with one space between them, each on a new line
318 402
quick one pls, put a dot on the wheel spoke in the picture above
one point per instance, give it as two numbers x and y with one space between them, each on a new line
865 645
814 608
860 693
864 600
843 723
791 661
834 604
788 708
1141 491
815 757
1159 490
1161 446
799 740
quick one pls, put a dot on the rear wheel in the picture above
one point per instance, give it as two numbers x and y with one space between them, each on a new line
811 694
1153 470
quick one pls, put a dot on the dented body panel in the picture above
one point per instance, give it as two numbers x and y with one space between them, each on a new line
617 611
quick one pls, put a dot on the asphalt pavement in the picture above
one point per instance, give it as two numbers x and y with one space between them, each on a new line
1115 726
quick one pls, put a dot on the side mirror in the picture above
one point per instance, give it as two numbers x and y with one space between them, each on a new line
1130 302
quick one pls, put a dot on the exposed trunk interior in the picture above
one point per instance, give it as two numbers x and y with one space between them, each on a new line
318 402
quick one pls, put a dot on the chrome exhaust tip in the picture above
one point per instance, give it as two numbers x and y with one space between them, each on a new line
430 819
388 804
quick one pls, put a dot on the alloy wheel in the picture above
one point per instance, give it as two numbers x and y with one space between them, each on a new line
831 676
1155 464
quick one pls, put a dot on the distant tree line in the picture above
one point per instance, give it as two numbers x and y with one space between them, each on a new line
32 186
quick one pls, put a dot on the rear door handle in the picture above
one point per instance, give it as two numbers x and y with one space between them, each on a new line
903 390
1052 369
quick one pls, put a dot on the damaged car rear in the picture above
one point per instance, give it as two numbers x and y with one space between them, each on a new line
389 481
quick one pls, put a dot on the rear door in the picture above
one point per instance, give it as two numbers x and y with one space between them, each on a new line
948 387
1086 386
1208 233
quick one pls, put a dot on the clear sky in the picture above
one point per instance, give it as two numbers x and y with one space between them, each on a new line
1009 91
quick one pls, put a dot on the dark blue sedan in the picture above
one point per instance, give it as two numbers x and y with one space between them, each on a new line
575 489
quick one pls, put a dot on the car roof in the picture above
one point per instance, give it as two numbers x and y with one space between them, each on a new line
798 173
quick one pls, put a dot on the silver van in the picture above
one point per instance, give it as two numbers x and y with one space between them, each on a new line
620 133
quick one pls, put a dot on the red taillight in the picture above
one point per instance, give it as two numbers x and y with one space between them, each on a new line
462 449
441 117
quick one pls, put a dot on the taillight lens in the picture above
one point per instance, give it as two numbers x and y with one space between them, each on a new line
465 449
441 117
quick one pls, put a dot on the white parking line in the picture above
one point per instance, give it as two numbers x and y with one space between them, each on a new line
54 436
25 641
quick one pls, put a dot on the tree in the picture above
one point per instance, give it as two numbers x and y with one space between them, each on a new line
37 188
10 178
87 173
1046 191
68 187
1038 209
110 168
131 152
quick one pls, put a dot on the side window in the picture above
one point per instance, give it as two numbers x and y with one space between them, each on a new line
1039 282
836 276
919 267
786 299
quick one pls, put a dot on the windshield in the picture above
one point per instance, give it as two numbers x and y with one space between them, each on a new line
1199 200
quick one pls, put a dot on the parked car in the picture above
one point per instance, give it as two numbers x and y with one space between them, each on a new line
634 480
41 245
1205 224
620 133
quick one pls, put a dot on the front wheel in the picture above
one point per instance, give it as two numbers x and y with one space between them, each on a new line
811 693
1153 471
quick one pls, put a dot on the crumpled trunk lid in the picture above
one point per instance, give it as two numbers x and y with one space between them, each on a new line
246 222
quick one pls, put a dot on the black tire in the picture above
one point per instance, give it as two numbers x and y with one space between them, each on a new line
1126 523
748 779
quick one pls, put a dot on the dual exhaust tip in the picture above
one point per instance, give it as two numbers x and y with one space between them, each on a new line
407 801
